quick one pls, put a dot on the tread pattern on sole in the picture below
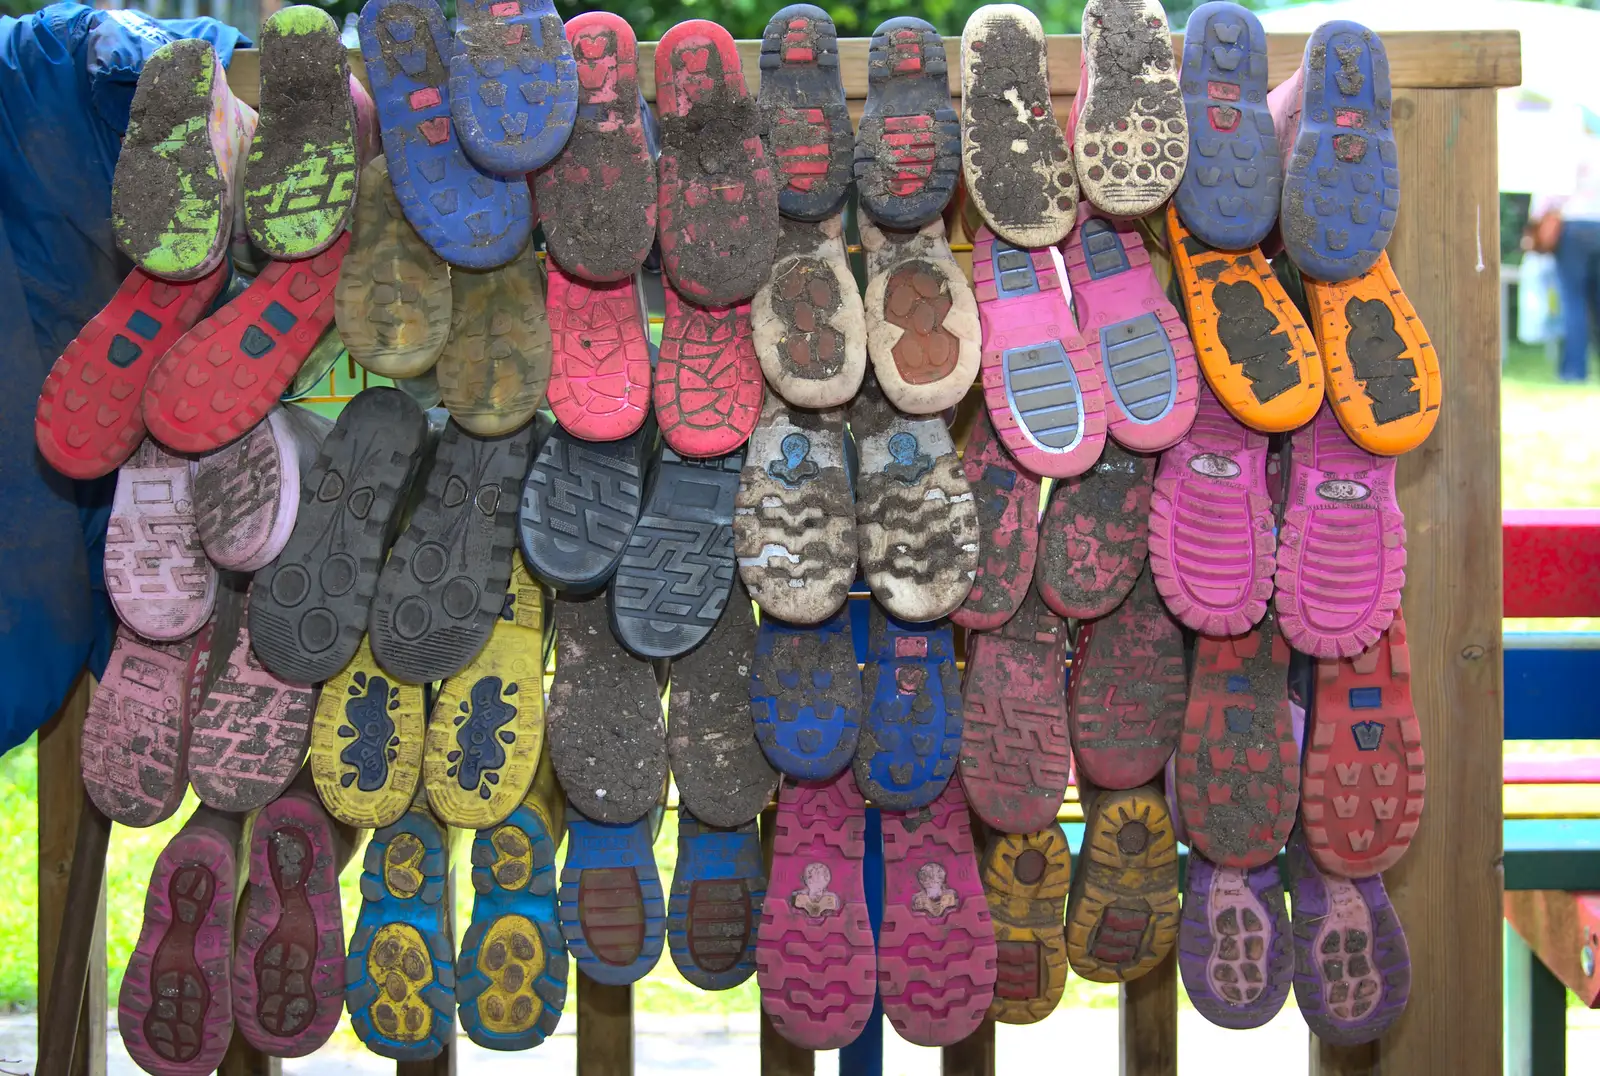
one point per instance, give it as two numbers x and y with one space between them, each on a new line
1234 944
310 609
511 975
1122 911
366 743
936 950
175 1009
675 574
1094 537
1236 773
907 751
1006 495
815 957
1025 879
718 888
135 733
1015 757
400 972
580 503
288 964
1364 770
1126 700
1341 547
1212 540
805 696
600 356
612 912
444 585
1351 962
908 147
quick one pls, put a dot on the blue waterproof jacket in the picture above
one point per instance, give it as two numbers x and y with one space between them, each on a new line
67 75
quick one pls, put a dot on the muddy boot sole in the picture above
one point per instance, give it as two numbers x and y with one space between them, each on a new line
1015 696
1231 190
496 362
936 950
1234 943
1383 373
612 912
718 888
912 736
288 964
718 191
1341 183
1025 879
600 356
1352 967
1007 499
175 1008
400 970
392 302
803 112
513 85
605 726
171 195
1253 344
471 218
805 696
722 776
1118 742
1094 537
915 519
908 148
1131 140
304 158
511 976
807 320
1014 156
1237 767
310 606
1122 910
707 386
794 526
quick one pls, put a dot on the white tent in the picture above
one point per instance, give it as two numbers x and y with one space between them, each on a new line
1541 121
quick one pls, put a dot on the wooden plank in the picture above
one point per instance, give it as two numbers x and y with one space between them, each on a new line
1361 1060
242 1059
1148 1012
1563 931
973 1055
1552 561
1552 801
779 1056
59 1042
1551 770
605 1028
1447 890
61 798
1417 60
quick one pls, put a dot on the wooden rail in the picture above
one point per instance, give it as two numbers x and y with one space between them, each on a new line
1448 890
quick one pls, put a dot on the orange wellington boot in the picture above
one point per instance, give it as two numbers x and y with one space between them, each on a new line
1383 374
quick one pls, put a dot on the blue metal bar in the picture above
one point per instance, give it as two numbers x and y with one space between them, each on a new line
864 1057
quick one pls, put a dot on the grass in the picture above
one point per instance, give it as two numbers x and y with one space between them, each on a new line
1550 458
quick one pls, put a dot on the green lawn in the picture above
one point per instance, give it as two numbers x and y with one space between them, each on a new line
1551 458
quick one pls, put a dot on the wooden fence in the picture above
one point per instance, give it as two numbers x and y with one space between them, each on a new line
1448 889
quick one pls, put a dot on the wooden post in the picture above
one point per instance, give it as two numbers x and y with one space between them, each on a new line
59 1043
61 799
605 1028
1149 1021
1447 889
973 1055
779 1056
